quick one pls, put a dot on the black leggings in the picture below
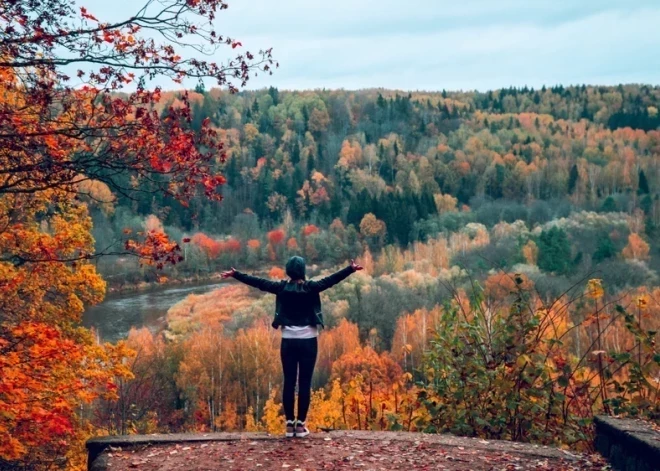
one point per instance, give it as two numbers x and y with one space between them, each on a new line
298 360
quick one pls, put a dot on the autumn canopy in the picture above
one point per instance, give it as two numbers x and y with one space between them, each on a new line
77 123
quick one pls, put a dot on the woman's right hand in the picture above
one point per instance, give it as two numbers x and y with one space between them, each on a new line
355 266
228 274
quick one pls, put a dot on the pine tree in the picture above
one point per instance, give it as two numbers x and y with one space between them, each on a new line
573 178
381 101
554 251
605 249
275 95
609 205
295 152
643 187
311 164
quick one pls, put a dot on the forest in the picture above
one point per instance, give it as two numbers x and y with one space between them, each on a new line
509 240
571 171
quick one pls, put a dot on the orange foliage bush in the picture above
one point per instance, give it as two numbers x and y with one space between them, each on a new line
333 344
212 309
212 247
500 285
277 273
378 370
276 237
232 245
412 335
310 229
637 248
292 244
530 252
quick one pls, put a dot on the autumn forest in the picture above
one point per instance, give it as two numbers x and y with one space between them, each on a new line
510 243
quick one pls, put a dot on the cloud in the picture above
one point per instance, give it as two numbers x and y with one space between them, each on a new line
608 47
309 18
436 44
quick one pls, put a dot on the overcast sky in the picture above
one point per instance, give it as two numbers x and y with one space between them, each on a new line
442 44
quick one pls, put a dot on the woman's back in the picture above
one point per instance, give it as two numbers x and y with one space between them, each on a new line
298 302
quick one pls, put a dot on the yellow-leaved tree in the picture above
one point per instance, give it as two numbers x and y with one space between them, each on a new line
67 139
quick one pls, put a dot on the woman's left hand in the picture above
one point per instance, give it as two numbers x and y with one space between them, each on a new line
355 266
229 274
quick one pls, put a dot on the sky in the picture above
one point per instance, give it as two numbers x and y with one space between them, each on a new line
441 44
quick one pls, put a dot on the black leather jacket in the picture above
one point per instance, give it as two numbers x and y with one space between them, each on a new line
296 303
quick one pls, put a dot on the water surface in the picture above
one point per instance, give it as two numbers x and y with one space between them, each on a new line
115 316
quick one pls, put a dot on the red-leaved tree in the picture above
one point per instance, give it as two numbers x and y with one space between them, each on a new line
78 105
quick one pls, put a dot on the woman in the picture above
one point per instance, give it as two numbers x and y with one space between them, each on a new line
298 312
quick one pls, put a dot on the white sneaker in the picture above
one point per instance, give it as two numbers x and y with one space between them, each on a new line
290 428
301 429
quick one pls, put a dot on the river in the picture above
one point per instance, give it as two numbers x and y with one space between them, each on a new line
115 316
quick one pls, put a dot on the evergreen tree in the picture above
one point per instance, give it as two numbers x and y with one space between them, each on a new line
197 117
554 251
335 204
646 204
643 187
296 183
295 152
360 205
605 249
209 108
495 182
311 164
573 178
445 111
275 95
609 205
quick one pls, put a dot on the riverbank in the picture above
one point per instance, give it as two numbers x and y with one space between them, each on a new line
166 282
120 311
171 282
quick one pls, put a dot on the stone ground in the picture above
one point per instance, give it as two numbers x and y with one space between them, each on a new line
367 451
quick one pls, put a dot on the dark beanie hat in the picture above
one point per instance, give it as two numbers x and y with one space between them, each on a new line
295 268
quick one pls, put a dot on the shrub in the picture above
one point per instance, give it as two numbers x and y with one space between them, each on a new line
538 372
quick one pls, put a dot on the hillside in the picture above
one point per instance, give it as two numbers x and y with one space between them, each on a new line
314 164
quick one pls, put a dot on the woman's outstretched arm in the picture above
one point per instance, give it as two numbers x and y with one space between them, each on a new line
256 282
330 281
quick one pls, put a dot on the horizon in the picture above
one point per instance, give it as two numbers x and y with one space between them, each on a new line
437 91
